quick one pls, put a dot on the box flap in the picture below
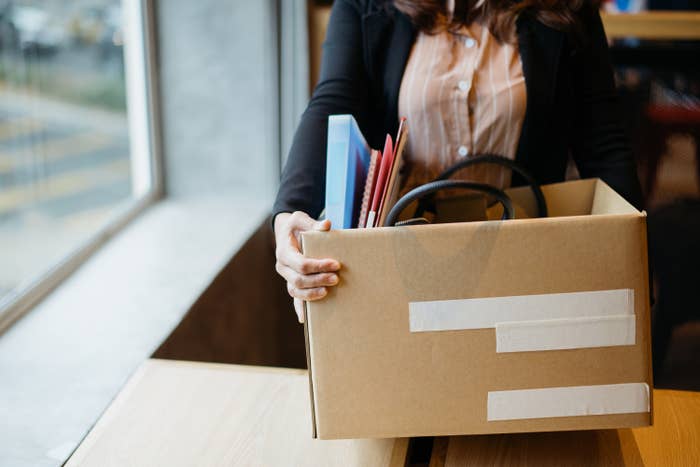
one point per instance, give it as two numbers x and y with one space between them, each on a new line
608 201
573 198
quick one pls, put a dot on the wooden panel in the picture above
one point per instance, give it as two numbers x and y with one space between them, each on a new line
183 414
318 21
679 25
673 440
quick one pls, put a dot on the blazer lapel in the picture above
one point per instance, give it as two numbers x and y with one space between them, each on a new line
399 50
540 50
389 36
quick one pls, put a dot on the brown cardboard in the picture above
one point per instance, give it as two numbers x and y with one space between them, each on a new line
371 377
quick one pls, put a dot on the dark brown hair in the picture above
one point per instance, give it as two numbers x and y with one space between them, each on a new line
499 16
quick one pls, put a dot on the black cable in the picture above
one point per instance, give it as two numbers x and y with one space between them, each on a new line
433 187
491 159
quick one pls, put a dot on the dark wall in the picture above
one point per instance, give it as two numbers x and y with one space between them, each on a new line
245 316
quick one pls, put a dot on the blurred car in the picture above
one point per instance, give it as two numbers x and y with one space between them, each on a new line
36 31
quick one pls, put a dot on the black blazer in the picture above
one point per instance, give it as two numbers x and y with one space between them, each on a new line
571 100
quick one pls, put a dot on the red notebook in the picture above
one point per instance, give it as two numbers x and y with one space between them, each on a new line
391 188
382 177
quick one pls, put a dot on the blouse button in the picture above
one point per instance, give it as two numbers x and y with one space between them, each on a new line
462 151
469 42
463 85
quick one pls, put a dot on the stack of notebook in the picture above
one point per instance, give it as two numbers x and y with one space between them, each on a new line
362 184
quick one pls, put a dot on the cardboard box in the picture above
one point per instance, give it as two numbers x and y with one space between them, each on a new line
465 328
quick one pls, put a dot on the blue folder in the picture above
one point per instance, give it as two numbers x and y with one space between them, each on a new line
347 162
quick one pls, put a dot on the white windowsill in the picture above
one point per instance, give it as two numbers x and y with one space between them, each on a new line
62 363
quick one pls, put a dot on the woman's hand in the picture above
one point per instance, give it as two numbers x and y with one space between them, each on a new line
307 279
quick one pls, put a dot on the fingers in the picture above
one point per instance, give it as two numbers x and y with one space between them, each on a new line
291 257
288 246
300 221
323 225
307 278
310 295
306 281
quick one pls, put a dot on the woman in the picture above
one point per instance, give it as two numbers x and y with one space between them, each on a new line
530 80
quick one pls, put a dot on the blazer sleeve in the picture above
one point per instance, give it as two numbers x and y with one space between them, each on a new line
342 89
600 146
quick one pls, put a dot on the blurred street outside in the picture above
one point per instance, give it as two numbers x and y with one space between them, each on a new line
64 146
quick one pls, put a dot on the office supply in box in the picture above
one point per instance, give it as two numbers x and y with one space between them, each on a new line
393 183
381 183
360 182
347 162
531 324
370 183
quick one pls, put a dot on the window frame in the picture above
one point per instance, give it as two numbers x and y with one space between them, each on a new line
143 119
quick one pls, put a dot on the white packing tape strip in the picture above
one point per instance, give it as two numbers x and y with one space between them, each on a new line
479 313
569 333
572 401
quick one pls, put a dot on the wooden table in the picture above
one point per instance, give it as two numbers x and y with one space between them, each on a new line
674 440
174 413
185 414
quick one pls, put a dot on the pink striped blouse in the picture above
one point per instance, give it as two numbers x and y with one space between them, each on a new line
462 94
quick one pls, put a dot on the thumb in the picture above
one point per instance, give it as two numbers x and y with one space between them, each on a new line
300 222
299 309
323 225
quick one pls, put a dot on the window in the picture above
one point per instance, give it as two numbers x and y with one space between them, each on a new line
75 135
